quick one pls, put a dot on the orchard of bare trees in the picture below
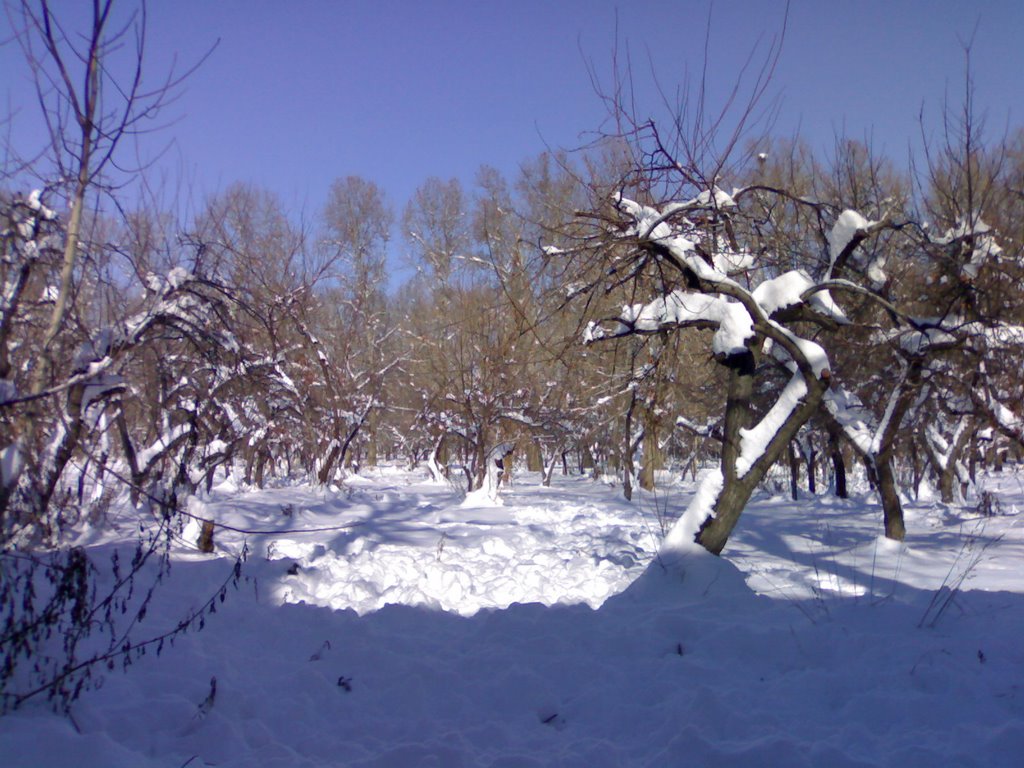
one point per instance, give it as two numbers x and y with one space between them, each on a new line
689 296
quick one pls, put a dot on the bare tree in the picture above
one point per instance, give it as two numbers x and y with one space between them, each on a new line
357 222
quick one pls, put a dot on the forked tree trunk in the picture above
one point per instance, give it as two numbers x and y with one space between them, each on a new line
434 462
737 489
558 456
949 479
735 493
338 452
549 470
882 462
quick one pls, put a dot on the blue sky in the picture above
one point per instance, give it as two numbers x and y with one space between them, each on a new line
299 93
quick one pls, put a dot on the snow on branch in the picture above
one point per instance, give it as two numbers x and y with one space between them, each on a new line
682 309
681 538
1005 420
754 441
853 417
850 228
849 231
714 300
978 244
793 288
651 226
710 430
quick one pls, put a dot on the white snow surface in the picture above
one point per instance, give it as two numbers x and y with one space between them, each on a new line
549 632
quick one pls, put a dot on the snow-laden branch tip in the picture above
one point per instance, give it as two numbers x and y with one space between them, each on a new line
651 226
976 235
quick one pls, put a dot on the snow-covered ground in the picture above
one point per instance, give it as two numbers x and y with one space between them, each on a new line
546 631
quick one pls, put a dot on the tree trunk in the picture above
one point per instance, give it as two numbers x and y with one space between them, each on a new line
627 451
794 473
372 448
892 510
586 460
434 465
736 489
652 460
950 482
534 457
205 540
477 469
549 470
838 465
947 491
871 474
131 458
261 465
714 532
327 469
339 448
918 466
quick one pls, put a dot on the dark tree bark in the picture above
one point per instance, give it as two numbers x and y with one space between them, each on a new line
652 452
794 472
892 509
737 489
838 463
